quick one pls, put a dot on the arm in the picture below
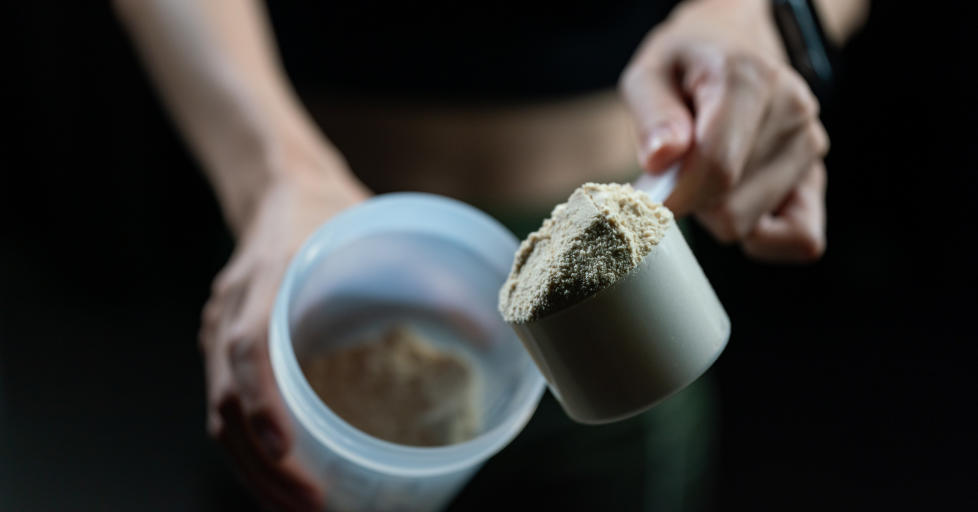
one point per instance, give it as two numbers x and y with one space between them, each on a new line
277 179
842 18
711 89
215 66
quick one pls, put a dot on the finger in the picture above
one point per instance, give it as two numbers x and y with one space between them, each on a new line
233 438
218 316
792 106
252 371
730 98
277 485
663 121
219 391
234 273
255 382
796 232
767 185
227 423
217 372
219 311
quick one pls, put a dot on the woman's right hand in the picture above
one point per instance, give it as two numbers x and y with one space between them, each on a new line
245 410
712 87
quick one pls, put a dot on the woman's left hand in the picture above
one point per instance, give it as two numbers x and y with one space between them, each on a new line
711 87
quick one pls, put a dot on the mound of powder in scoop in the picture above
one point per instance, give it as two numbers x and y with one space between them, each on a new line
601 233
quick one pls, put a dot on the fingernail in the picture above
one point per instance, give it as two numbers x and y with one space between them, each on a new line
658 138
269 437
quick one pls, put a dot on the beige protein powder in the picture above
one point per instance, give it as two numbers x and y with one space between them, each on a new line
400 388
601 233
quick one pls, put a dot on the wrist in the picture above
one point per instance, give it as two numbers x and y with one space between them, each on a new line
742 25
752 6
249 171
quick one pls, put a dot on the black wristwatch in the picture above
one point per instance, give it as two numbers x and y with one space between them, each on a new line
808 50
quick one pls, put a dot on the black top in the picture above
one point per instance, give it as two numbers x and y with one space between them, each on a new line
497 50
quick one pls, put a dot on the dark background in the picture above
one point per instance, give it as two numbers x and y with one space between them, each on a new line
848 384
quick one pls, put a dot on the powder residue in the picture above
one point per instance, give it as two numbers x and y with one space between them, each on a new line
601 233
400 388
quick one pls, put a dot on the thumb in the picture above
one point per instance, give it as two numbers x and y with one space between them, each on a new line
663 122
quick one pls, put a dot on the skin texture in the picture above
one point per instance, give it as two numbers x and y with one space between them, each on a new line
709 87
246 413
277 178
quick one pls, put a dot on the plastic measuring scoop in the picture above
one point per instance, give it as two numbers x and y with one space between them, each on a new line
644 338
658 187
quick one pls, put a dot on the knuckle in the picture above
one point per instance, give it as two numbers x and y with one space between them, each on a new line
221 283
801 103
825 143
224 402
724 224
210 315
747 69
243 349
812 247
722 173
816 140
230 275
210 319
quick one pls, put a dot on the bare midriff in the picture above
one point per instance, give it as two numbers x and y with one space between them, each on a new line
511 156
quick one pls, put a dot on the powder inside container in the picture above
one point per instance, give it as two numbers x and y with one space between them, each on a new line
400 388
601 233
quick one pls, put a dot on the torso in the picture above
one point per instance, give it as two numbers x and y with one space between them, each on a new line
515 157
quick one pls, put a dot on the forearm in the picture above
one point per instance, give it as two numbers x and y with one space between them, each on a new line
215 66
842 18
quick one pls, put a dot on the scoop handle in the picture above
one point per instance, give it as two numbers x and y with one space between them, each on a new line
659 186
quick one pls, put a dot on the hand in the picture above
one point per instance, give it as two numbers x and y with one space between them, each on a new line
711 87
245 411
